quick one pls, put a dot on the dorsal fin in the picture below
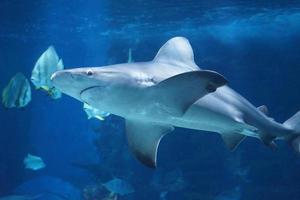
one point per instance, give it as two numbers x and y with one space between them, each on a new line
177 50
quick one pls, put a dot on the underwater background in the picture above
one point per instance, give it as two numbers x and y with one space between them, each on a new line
254 44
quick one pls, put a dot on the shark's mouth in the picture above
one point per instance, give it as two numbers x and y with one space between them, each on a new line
88 88
82 93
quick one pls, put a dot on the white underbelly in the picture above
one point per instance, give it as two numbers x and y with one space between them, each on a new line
195 118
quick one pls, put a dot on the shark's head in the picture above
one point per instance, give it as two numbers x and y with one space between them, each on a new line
95 86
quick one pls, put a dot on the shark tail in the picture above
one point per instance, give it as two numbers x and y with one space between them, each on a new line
293 123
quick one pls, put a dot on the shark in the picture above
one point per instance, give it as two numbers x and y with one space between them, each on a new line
172 91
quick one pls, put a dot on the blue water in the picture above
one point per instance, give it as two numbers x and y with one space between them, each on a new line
254 44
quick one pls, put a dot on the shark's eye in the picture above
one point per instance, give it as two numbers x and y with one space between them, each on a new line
89 72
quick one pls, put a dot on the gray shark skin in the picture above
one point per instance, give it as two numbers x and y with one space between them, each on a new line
172 91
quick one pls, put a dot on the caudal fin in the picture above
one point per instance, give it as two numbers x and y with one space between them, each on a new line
294 124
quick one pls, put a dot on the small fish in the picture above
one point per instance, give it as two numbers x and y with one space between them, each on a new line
34 162
17 93
119 186
94 113
46 65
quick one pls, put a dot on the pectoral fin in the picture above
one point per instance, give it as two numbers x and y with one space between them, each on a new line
232 140
177 93
143 140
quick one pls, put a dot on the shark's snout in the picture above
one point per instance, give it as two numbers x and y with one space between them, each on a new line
53 76
65 82
73 82
61 78
60 75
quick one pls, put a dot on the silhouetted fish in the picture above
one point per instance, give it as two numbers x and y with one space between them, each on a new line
34 162
17 93
46 65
